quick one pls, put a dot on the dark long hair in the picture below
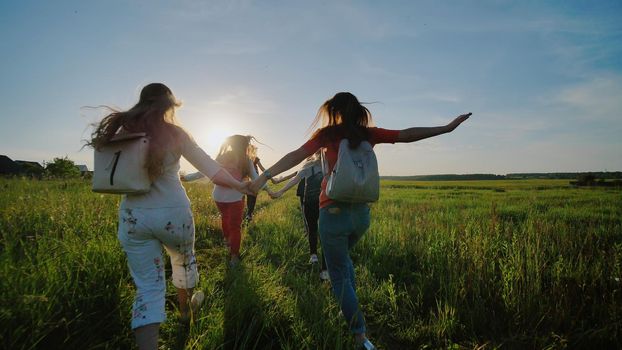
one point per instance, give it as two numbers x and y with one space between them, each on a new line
343 116
235 150
154 114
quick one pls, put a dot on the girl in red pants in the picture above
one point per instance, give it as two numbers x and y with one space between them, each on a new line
234 157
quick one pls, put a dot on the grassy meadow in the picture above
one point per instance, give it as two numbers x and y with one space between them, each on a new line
466 264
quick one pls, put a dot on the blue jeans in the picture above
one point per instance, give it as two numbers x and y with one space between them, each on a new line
341 226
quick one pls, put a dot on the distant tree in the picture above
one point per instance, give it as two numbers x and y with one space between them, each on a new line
586 179
62 168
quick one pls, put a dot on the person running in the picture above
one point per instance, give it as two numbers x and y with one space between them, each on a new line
310 176
162 216
234 157
250 199
343 224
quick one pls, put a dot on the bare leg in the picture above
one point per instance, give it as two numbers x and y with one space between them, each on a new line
183 297
147 336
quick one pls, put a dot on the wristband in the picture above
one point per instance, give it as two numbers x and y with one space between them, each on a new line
268 174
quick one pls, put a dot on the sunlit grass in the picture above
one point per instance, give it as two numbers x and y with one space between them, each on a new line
518 264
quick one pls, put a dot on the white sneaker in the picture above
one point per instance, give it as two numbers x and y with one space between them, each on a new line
324 275
195 305
313 259
196 301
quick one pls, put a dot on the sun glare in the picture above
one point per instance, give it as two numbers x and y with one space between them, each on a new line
214 137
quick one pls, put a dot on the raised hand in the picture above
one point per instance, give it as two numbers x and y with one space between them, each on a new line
456 122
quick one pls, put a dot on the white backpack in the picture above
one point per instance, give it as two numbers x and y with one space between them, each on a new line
120 166
355 176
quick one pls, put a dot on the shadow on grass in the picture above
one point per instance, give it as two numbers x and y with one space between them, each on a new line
246 323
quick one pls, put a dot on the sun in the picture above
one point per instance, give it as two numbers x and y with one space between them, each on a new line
214 137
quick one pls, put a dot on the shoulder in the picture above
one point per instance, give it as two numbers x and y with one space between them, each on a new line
380 135
181 134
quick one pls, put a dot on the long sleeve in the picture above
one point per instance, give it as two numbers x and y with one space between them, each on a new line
199 159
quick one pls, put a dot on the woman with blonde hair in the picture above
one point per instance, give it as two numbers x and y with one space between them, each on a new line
234 156
342 224
162 216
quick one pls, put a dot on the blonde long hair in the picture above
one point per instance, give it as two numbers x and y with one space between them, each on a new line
154 114
235 150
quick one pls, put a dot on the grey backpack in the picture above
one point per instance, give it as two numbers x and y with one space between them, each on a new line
355 177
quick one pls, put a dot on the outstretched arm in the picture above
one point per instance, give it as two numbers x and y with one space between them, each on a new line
260 165
253 175
209 167
225 179
290 160
192 177
416 134
283 178
293 182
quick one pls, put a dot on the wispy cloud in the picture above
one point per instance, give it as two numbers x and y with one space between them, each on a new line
240 101
598 99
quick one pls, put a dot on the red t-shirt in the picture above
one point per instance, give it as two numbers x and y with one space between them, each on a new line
376 136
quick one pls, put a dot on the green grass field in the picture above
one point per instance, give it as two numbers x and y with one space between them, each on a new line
465 264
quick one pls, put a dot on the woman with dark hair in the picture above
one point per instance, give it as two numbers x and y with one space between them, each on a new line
342 224
162 216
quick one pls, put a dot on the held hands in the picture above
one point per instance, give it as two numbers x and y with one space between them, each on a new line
257 184
272 195
244 188
456 122
275 195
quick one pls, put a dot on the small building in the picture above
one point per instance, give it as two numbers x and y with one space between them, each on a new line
29 168
84 170
8 166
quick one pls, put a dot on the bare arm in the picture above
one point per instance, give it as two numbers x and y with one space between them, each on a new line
225 179
260 165
253 175
283 178
209 167
417 133
289 161
192 177
293 182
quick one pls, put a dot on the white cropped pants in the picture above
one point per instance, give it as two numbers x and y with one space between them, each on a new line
142 233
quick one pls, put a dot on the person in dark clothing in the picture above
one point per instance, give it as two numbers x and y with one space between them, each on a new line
309 181
250 199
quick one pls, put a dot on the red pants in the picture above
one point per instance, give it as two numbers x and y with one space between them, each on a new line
231 214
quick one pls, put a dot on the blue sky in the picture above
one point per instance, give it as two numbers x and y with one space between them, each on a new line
543 79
